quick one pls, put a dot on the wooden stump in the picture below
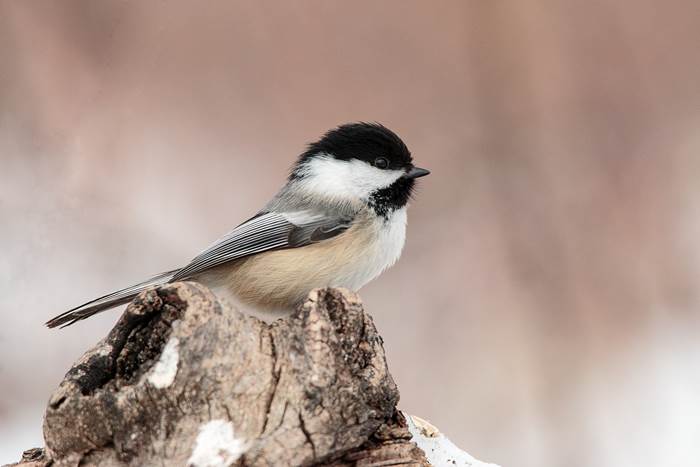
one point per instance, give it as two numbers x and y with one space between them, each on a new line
182 380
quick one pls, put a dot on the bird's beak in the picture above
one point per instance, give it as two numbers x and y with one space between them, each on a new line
416 172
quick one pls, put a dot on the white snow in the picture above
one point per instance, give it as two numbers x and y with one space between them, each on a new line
439 450
163 373
216 445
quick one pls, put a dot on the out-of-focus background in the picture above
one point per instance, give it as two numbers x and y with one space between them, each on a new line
545 310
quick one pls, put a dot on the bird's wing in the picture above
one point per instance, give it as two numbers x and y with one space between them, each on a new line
267 231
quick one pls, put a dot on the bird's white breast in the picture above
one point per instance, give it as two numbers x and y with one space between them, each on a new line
384 242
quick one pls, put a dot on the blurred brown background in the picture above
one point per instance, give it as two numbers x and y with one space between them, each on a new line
545 311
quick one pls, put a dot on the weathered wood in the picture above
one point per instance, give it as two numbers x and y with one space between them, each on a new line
182 380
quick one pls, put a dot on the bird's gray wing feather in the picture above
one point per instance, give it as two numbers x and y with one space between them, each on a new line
107 301
267 231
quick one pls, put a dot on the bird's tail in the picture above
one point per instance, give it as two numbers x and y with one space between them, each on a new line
108 301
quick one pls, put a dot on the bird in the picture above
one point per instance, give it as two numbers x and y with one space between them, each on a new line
338 221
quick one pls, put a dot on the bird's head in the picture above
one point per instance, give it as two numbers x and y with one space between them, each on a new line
359 162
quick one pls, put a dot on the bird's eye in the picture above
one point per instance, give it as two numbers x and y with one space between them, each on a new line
381 162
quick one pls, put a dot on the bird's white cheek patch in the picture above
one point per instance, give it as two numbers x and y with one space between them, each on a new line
216 445
163 372
355 179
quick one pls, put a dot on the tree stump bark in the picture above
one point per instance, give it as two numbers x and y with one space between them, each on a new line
183 380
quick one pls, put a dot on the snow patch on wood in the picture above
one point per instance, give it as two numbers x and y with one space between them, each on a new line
163 373
216 445
439 450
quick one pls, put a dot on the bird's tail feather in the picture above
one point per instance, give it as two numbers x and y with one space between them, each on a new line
108 301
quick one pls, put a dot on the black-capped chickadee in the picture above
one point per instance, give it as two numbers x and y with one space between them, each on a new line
339 221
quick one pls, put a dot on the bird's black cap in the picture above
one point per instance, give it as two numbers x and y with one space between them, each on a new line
364 141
